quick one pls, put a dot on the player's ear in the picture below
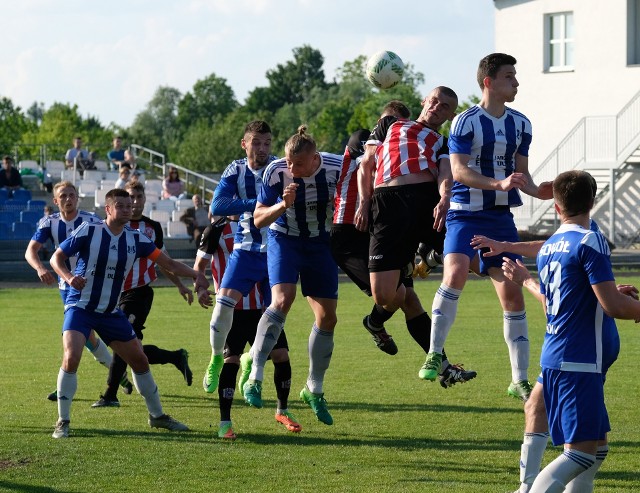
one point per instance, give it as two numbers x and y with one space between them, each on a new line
243 144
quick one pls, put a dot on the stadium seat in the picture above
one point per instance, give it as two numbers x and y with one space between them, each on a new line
100 197
111 175
93 175
36 205
55 169
4 195
68 175
6 233
176 215
153 186
7 217
28 164
161 216
23 231
31 217
177 229
182 204
22 195
87 188
101 165
165 205
108 185
152 197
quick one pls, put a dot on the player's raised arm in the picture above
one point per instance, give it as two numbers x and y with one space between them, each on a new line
264 215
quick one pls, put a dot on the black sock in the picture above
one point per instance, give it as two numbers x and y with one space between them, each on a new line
116 372
226 389
282 380
379 316
420 329
157 356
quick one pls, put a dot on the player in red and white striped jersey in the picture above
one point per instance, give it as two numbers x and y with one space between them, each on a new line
136 300
216 245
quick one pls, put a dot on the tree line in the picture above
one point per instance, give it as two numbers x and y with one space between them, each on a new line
202 128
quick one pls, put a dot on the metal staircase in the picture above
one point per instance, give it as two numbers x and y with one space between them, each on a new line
609 148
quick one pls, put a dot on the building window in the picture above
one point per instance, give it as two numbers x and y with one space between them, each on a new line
633 32
560 42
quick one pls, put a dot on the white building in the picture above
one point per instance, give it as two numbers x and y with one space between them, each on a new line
579 73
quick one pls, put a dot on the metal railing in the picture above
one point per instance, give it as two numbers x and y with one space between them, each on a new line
157 164
595 141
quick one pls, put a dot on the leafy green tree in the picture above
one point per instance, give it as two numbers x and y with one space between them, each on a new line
211 99
155 127
13 123
289 83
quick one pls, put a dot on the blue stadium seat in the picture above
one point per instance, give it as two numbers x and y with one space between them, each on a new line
23 231
6 233
7 217
22 195
4 195
32 217
36 205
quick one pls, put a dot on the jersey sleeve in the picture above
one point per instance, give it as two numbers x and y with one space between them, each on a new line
43 232
78 238
146 247
523 148
225 202
271 190
461 135
595 257
379 132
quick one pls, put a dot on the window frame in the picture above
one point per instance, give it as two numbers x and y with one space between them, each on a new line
562 41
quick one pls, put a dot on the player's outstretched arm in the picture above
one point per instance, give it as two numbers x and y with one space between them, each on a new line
524 248
518 273
544 191
181 270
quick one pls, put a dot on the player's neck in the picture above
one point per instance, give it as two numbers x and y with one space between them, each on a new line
69 216
495 108
115 227
583 220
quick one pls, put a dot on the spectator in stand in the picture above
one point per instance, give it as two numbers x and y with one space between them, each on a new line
172 185
125 177
129 160
116 155
10 178
196 218
76 153
48 210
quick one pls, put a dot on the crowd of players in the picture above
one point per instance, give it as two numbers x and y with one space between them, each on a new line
396 188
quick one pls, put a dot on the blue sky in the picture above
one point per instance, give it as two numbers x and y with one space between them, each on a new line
110 57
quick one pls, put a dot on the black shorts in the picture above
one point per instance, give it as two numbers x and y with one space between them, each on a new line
136 305
402 218
350 250
243 331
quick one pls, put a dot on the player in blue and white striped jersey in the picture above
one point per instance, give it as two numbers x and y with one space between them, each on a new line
296 201
56 227
236 194
489 148
106 251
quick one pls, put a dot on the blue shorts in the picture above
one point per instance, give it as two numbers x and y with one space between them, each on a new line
109 326
244 270
496 224
308 259
575 406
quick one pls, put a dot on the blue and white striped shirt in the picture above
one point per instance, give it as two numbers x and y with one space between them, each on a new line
55 228
104 260
312 212
236 194
492 144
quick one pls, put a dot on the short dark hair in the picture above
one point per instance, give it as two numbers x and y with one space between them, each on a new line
573 192
257 127
447 91
115 192
6 157
396 107
134 186
489 66
300 142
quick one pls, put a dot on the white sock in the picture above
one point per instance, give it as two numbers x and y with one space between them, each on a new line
583 483
67 386
516 335
531 453
443 313
269 329
147 388
320 351
221 321
555 477
101 353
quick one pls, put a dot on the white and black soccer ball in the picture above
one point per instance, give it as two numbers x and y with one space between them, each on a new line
385 69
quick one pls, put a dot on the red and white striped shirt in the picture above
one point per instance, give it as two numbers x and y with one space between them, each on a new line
219 255
346 199
404 147
143 271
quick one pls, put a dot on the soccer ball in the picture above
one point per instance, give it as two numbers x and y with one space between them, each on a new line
385 69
